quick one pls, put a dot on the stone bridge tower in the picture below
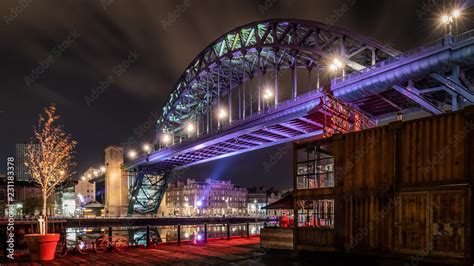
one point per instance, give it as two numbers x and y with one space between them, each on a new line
116 184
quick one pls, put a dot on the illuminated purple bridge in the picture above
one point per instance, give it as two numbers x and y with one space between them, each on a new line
276 81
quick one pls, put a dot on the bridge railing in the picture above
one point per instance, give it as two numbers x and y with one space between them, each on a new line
415 51
147 235
464 36
245 119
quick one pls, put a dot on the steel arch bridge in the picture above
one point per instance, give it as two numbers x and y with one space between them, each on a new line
270 82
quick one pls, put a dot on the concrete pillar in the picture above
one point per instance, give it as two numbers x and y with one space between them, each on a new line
116 184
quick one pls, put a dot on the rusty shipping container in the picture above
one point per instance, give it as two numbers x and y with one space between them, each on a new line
402 190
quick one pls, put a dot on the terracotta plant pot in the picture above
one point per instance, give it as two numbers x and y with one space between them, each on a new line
42 247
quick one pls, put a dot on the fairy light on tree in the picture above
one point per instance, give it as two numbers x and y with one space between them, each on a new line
51 160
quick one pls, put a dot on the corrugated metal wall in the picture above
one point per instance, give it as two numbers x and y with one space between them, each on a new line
404 188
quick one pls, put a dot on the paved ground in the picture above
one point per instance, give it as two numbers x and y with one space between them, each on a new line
217 252
237 251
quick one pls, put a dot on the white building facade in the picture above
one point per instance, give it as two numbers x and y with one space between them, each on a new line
208 198
85 190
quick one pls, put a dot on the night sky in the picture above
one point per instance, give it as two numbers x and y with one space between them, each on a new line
77 45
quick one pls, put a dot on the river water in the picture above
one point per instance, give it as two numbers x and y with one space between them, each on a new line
165 234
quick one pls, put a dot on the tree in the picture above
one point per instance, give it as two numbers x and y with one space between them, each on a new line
51 159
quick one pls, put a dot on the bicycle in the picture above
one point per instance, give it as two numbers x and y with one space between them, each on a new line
103 244
82 246
62 247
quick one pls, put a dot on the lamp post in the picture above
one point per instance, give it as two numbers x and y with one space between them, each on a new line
165 139
449 19
190 128
132 154
267 95
336 65
221 115
146 148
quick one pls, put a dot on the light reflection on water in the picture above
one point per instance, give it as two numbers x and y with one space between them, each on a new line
164 234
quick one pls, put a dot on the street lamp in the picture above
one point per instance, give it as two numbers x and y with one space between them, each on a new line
102 169
449 18
336 65
221 115
165 138
267 95
132 154
456 13
146 147
190 128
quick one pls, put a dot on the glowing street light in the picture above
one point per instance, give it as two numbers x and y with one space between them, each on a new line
446 19
165 138
61 172
267 94
222 113
456 13
335 65
83 178
146 147
449 18
96 173
132 154
190 127
102 169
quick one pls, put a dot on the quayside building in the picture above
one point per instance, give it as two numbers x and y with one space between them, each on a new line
402 190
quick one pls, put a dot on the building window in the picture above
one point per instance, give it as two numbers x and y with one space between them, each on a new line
316 213
315 167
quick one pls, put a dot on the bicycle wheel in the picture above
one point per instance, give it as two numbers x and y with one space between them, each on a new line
61 249
101 245
121 243
83 246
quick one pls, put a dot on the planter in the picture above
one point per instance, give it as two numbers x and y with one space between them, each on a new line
42 247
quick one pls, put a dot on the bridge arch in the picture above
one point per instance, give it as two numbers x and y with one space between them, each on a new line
257 50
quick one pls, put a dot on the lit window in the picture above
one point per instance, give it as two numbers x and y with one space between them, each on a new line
316 213
315 167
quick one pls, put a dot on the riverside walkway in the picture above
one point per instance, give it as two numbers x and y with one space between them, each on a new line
215 252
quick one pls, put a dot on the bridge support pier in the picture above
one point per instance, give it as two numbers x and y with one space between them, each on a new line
116 184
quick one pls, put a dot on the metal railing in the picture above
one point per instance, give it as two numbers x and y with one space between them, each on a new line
418 51
168 234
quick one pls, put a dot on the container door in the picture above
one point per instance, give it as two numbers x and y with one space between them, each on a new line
412 227
447 229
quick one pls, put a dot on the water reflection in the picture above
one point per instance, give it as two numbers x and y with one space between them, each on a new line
165 234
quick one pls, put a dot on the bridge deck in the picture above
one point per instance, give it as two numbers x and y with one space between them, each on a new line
214 252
